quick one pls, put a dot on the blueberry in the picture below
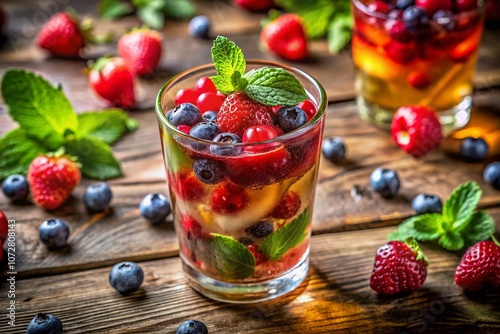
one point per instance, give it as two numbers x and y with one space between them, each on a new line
208 171
126 277
491 174
229 149
192 327
385 182
403 4
16 187
199 26
155 208
209 116
415 18
186 114
426 203
245 241
97 197
54 233
291 118
333 149
261 229
45 324
445 18
473 149
205 130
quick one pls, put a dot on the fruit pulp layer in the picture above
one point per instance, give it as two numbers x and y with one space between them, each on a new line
433 67
263 178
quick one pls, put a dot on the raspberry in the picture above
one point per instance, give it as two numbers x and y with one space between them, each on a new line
186 185
238 112
259 257
191 227
229 198
288 206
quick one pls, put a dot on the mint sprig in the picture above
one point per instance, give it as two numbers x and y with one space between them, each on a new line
48 123
458 226
276 244
231 258
268 86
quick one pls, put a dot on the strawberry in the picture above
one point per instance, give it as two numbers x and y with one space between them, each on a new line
286 37
255 5
399 267
4 226
52 179
479 266
239 112
416 130
62 35
287 206
110 78
141 49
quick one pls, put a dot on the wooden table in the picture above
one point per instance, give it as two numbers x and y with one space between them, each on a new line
347 229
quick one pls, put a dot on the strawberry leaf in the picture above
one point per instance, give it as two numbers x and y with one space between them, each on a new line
106 125
231 258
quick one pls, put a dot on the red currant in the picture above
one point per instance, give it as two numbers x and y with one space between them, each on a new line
184 128
186 95
308 107
205 85
379 7
418 80
258 133
208 101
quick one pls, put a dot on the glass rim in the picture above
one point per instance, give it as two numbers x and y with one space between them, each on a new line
364 8
311 124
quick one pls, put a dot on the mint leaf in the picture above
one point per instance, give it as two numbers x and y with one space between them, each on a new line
106 125
451 240
425 227
178 9
459 208
479 228
229 63
274 86
276 244
151 16
17 150
110 9
231 258
96 158
42 110
339 33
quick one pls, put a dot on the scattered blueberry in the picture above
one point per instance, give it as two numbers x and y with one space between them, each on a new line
208 171
205 130
491 174
229 149
97 196
473 149
333 149
199 26
185 114
385 182
261 229
16 187
155 208
403 4
126 277
415 17
291 118
209 116
192 327
445 18
45 324
426 203
54 233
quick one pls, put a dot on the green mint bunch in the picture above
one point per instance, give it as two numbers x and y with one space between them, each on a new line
268 86
233 260
458 226
48 123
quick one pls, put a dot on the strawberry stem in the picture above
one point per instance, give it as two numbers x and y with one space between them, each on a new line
413 244
494 239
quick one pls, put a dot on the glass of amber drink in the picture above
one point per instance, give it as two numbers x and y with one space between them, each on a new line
416 52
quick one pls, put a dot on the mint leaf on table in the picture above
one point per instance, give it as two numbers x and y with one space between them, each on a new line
229 63
42 110
17 150
107 125
178 9
458 226
276 244
232 258
339 33
110 9
151 16
274 86
96 158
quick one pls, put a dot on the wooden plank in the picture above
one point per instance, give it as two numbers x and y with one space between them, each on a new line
334 298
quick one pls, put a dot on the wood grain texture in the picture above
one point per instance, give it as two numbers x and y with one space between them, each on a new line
335 298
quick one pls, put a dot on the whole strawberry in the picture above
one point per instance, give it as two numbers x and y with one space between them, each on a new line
285 36
52 179
141 49
111 79
416 130
62 36
399 267
238 112
255 5
480 266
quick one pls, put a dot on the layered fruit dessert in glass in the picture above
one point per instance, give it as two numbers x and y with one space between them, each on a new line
241 144
416 52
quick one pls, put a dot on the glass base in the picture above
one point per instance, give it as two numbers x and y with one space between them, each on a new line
243 293
451 119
